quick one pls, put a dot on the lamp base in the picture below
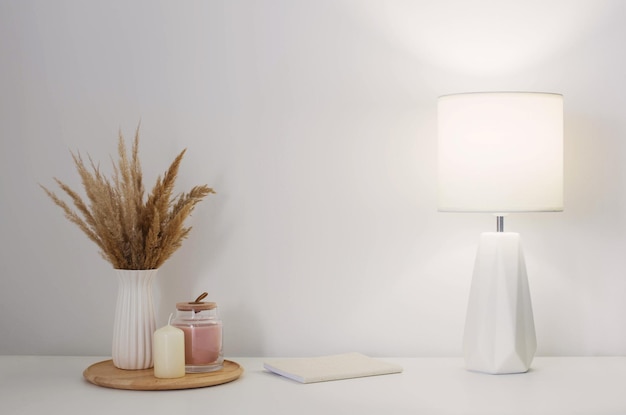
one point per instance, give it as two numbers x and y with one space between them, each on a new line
499 333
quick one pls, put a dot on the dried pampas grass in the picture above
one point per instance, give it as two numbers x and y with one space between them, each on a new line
132 232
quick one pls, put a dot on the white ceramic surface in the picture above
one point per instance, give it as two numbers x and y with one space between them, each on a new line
134 323
499 328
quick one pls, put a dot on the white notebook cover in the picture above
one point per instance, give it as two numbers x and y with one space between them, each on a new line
325 368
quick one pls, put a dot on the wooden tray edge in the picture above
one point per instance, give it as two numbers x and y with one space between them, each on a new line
105 374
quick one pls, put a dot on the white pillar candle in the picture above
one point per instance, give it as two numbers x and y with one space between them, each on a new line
169 352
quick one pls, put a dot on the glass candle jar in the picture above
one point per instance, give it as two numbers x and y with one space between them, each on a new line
202 328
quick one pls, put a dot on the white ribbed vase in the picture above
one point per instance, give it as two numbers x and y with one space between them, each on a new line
134 323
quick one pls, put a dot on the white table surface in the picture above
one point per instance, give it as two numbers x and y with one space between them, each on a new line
554 385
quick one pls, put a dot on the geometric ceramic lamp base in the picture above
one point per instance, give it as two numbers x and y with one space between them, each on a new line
499 333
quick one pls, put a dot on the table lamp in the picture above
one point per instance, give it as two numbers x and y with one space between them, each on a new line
500 152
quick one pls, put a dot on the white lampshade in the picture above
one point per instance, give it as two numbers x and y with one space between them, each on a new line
501 152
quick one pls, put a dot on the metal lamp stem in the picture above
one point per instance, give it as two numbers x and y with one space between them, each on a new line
500 223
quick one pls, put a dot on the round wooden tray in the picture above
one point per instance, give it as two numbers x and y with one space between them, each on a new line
105 374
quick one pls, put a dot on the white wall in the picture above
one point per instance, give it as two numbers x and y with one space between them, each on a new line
315 123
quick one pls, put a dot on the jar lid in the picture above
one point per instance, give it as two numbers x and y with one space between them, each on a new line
196 306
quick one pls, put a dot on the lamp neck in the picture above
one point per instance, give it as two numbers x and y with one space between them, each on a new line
499 223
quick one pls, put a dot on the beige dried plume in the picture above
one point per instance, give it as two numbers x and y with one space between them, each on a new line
131 231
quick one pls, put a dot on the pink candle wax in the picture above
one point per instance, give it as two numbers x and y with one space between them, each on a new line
202 343
202 329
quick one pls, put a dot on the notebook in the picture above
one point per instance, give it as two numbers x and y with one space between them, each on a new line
334 367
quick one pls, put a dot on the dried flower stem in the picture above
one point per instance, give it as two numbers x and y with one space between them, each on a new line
131 233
